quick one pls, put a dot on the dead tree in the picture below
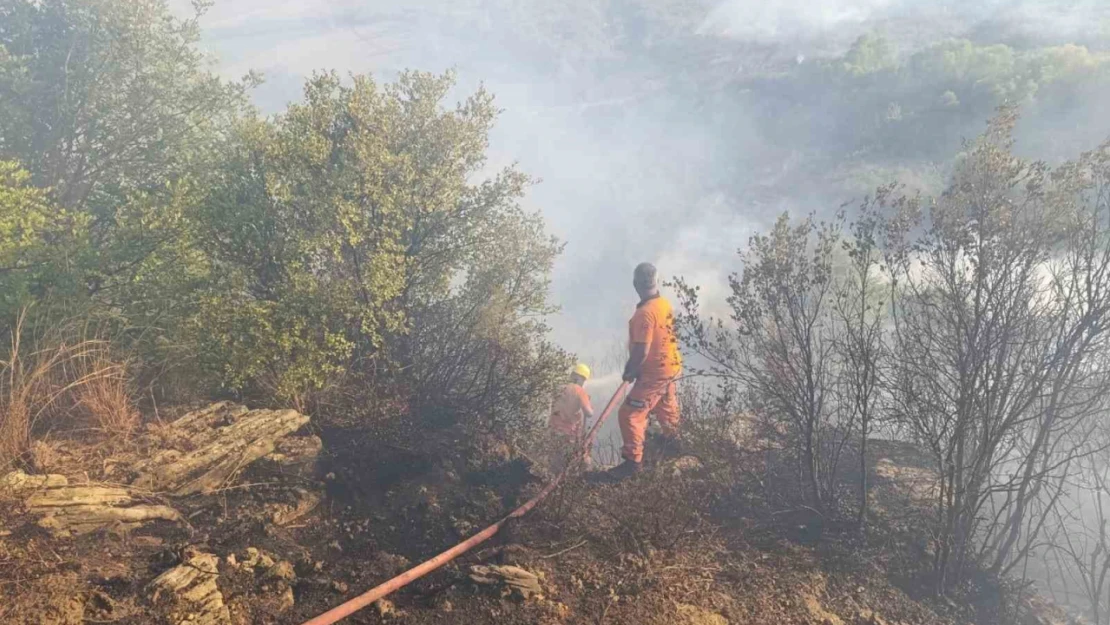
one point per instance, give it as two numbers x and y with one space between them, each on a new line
779 346
861 313
1001 296
1078 546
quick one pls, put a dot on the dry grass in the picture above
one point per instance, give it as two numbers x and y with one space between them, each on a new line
60 381
105 395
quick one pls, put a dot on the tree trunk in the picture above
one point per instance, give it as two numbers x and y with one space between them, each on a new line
861 518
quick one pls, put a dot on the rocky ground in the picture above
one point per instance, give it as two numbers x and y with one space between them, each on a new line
227 515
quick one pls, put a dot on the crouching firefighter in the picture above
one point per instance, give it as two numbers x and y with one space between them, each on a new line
569 417
654 365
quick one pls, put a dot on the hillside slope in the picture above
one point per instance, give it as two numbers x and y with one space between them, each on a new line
303 528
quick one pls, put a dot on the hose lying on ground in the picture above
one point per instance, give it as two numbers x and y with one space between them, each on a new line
350 607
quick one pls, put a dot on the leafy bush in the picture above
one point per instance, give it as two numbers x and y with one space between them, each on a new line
347 245
36 239
345 250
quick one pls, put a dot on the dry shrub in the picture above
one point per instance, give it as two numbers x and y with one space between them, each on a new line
664 509
654 530
60 381
733 449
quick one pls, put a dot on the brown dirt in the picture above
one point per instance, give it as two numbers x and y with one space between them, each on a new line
669 547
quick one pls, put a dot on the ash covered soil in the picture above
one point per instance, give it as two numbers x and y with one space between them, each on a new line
288 524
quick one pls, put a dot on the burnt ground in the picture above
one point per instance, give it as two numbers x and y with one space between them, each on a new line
697 541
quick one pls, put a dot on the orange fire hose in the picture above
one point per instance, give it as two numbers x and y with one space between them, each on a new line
354 605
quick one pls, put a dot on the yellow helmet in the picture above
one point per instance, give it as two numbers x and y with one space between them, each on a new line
582 370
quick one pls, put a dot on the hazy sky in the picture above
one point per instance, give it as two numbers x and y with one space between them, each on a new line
630 171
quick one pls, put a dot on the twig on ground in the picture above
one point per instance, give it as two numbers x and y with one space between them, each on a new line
568 549
798 509
243 486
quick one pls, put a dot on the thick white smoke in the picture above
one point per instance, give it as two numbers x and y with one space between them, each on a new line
637 162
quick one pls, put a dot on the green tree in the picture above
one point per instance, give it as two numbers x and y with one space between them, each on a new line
111 108
869 53
347 241
36 238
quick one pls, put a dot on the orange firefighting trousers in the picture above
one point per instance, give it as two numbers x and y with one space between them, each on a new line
648 396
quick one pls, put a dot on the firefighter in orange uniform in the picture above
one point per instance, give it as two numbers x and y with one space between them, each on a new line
654 364
569 416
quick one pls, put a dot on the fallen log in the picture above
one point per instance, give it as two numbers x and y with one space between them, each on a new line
203 450
67 509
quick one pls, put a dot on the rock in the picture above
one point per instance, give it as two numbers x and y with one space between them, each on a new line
339 587
267 567
282 570
512 580
693 615
202 450
67 510
18 482
191 590
286 513
271 581
287 601
386 609
257 559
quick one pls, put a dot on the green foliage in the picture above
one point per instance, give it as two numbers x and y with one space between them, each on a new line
347 232
348 248
957 69
961 62
1066 65
479 351
881 108
35 239
109 105
869 54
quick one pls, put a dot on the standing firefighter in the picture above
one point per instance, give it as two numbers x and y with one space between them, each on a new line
569 416
654 364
